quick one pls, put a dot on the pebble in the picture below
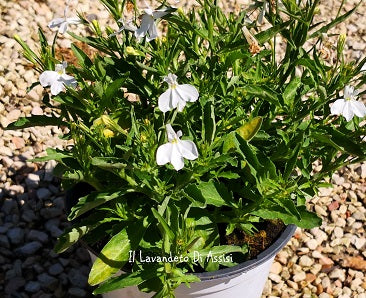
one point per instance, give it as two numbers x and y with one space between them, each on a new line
29 248
38 236
55 269
43 193
32 287
4 242
47 281
16 235
312 244
50 212
305 261
77 292
299 276
32 181
276 268
337 274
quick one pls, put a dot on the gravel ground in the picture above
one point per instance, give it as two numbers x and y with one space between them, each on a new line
329 261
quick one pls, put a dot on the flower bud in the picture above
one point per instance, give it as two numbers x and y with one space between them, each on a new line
340 44
132 52
108 133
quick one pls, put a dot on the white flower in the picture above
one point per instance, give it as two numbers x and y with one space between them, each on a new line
129 26
176 150
177 95
62 23
348 106
148 24
363 68
57 79
263 12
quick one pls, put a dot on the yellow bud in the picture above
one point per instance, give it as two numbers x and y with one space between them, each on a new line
143 138
97 121
180 11
108 133
163 39
132 52
147 121
317 10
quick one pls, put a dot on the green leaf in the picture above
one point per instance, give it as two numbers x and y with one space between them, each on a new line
212 193
93 200
127 280
36 120
209 123
112 89
115 253
291 163
335 22
52 154
249 129
291 91
263 92
108 162
266 35
70 237
308 219
83 59
163 224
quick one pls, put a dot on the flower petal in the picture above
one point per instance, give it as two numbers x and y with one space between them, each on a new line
337 107
164 153
348 91
347 111
146 22
153 32
57 87
159 13
358 108
188 149
68 80
74 20
166 102
176 158
63 28
187 92
56 22
170 133
48 77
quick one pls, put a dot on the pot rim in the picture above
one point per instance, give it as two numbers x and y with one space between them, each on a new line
246 266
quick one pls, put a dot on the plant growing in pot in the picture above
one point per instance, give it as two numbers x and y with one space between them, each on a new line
195 149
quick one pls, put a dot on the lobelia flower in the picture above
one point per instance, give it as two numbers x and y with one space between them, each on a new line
62 23
263 12
176 150
129 26
348 106
177 95
148 24
57 79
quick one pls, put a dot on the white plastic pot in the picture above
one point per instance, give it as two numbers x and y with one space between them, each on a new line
245 280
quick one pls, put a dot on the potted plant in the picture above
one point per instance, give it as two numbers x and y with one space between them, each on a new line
195 148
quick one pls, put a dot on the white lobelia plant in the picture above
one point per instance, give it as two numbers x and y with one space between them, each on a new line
57 79
62 23
348 106
175 150
148 23
177 95
128 25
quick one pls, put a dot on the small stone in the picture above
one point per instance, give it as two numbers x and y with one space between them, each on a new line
337 274
32 181
29 216
37 236
37 111
293 284
359 216
8 206
50 212
50 165
305 261
43 193
18 142
77 279
276 268
320 211
13 115
4 242
55 269
14 285
310 277
299 276
333 206
77 292
6 151
274 277
47 281
82 254
338 232
16 235
32 287
312 244
29 248
359 243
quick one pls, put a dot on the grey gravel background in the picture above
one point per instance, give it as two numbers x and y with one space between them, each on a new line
329 261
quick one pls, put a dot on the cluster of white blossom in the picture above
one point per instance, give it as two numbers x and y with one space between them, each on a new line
177 95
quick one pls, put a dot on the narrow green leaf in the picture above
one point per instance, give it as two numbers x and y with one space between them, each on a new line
164 224
83 59
108 162
290 91
209 122
36 120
